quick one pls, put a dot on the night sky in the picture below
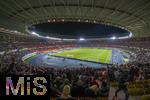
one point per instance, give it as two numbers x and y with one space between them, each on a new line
78 29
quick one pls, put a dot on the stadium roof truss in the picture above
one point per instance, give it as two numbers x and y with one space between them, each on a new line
133 15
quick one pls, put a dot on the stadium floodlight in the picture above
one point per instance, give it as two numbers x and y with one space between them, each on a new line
81 39
47 37
113 38
35 34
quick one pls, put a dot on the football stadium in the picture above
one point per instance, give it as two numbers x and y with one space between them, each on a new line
89 49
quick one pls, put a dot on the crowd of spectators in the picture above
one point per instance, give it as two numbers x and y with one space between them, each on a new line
77 82
140 55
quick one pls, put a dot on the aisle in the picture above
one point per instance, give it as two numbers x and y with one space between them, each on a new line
121 95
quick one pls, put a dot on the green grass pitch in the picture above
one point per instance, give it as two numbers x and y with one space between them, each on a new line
89 54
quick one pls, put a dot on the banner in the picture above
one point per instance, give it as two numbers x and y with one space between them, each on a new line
28 56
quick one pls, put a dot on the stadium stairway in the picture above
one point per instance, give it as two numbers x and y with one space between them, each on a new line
121 95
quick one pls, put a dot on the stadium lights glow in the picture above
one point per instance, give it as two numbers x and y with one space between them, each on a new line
125 37
47 37
130 35
35 34
69 39
113 37
81 39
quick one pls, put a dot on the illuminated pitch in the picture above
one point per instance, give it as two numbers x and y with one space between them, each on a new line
88 54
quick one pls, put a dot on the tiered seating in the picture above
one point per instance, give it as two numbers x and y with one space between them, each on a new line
86 98
138 88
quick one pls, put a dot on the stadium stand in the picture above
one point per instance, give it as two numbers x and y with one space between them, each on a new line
83 82
130 81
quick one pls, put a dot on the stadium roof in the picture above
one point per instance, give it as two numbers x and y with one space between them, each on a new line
133 15
76 30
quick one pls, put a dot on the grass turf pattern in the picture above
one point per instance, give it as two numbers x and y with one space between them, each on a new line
89 54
